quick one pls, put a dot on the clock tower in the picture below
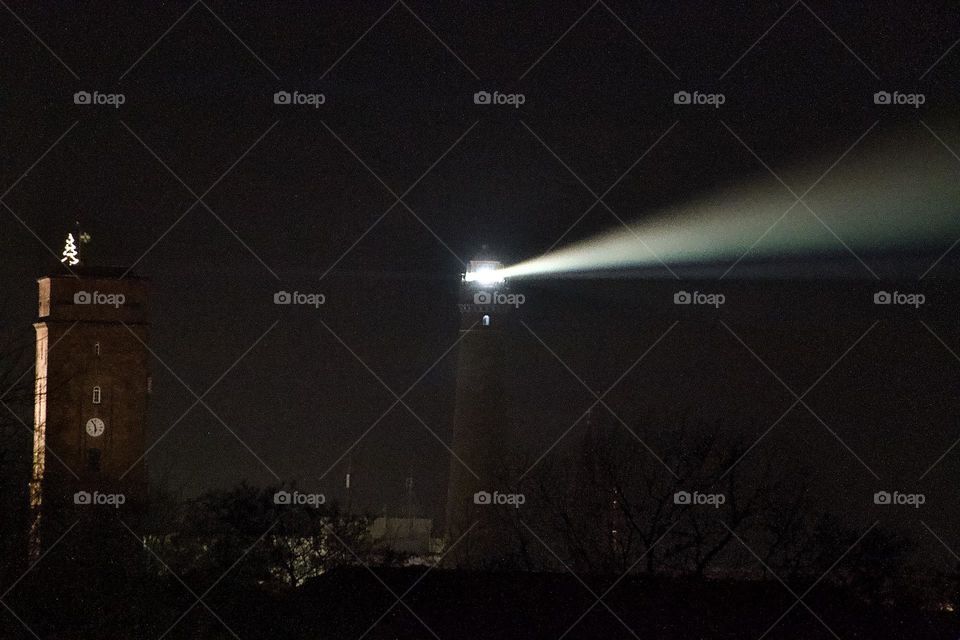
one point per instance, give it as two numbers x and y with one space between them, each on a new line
90 399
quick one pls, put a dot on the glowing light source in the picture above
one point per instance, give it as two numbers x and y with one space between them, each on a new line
484 272
70 252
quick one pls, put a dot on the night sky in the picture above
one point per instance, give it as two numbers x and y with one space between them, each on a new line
301 198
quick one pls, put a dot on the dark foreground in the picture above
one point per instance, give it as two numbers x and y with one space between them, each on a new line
351 603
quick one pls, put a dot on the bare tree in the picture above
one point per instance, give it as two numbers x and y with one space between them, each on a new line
16 440
612 505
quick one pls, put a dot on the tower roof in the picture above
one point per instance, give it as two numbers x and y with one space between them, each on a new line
104 272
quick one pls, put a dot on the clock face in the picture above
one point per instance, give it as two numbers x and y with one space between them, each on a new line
95 427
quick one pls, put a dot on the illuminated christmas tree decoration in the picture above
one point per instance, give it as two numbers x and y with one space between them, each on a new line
70 255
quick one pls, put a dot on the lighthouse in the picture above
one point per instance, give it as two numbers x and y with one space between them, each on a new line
481 438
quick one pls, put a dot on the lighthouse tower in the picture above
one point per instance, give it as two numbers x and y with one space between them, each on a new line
480 432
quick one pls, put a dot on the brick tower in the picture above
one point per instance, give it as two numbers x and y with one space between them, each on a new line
90 404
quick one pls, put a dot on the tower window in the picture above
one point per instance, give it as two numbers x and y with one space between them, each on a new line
96 395
485 321
96 348
93 460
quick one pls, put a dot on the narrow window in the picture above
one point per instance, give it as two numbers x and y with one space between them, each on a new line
486 321
93 460
96 347
96 395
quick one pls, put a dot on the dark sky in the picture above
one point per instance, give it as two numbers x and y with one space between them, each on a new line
306 198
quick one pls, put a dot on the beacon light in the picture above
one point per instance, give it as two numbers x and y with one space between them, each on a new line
484 272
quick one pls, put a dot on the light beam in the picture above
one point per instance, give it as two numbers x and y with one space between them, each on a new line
886 197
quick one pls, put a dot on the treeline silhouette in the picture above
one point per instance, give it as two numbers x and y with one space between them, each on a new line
600 549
